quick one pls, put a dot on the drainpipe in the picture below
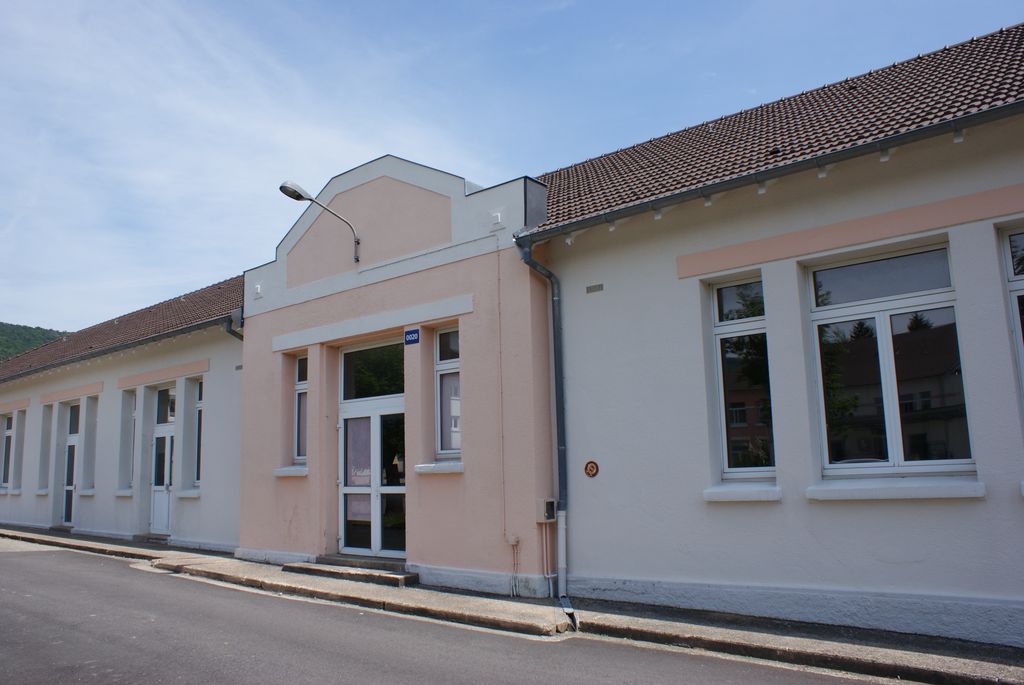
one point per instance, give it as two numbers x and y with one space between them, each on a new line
526 254
230 325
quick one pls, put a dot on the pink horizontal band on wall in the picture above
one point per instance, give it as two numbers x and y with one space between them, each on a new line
158 375
951 212
13 405
72 393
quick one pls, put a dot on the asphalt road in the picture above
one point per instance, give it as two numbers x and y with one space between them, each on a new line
69 617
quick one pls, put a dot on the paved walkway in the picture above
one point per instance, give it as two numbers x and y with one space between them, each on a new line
893 655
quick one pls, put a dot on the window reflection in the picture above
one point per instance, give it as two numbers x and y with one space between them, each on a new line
747 397
852 384
933 413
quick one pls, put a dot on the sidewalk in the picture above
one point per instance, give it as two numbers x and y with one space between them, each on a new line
914 658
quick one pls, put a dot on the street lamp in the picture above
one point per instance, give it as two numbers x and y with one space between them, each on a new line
295 192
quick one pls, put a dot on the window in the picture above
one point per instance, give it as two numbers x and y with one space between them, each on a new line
166 405
744 388
374 372
1014 248
45 431
199 431
126 454
7 423
892 392
301 411
449 402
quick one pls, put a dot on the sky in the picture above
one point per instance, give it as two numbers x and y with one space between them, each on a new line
142 143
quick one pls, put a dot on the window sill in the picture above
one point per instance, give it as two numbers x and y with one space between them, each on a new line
42 492
87 492
188 494
743 492
291 472
910 487
124 492
440 467
14 491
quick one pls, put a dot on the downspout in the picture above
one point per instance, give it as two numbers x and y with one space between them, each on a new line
526 254
234 321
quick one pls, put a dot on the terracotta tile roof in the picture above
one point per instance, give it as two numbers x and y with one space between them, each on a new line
190 310
940 87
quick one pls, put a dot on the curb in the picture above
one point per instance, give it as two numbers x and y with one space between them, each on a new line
838 656
802 657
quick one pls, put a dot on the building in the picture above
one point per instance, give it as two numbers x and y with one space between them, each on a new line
793 350
770 364
129 428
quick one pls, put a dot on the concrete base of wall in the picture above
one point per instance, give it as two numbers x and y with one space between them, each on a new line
480 581
113 534
202 544
270 556
990 620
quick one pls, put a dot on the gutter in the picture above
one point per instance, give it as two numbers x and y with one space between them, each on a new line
526 254
527 240
222 321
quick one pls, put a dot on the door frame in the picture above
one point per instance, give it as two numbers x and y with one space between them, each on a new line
166 431
372 408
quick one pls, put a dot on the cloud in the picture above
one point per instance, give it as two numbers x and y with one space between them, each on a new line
145 143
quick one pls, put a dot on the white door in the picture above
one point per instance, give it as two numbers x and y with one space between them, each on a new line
371 446
163 463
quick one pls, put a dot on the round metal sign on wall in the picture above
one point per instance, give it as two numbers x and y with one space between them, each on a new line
591 468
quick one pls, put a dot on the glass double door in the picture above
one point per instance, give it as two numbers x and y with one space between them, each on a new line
372 483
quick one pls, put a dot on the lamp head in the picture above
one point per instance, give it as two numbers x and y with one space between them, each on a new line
295 191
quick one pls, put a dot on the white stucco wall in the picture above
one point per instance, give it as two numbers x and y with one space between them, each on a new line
642 402
205 517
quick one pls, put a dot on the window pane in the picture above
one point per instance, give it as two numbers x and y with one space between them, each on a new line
7 460
8 422
69 466
747 399
392 522
302 369
448 346
450 412
300 425
73 413
199 391
933 414
375 372
1020 312
357 451
199 443
882 277
160 461
392 449
357 521
1017 253
850 380
165 405
740 301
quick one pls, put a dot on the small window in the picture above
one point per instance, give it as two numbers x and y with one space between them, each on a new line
1016 241
301 411
165 405
7 455
744 386
199 432
743 301
74 412
374 372
899 275
449 394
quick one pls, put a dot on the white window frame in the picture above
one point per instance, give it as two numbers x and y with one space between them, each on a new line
7 447
441 368
881 309
300 388
735 328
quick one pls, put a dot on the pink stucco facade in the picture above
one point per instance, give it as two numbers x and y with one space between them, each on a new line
466 525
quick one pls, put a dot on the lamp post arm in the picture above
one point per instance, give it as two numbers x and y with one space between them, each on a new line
355 238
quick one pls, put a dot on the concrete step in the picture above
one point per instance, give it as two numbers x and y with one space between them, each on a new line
359 561
363 575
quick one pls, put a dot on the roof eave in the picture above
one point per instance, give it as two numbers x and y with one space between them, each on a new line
640 206
220 320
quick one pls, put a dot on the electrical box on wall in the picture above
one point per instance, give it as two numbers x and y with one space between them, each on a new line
545 510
